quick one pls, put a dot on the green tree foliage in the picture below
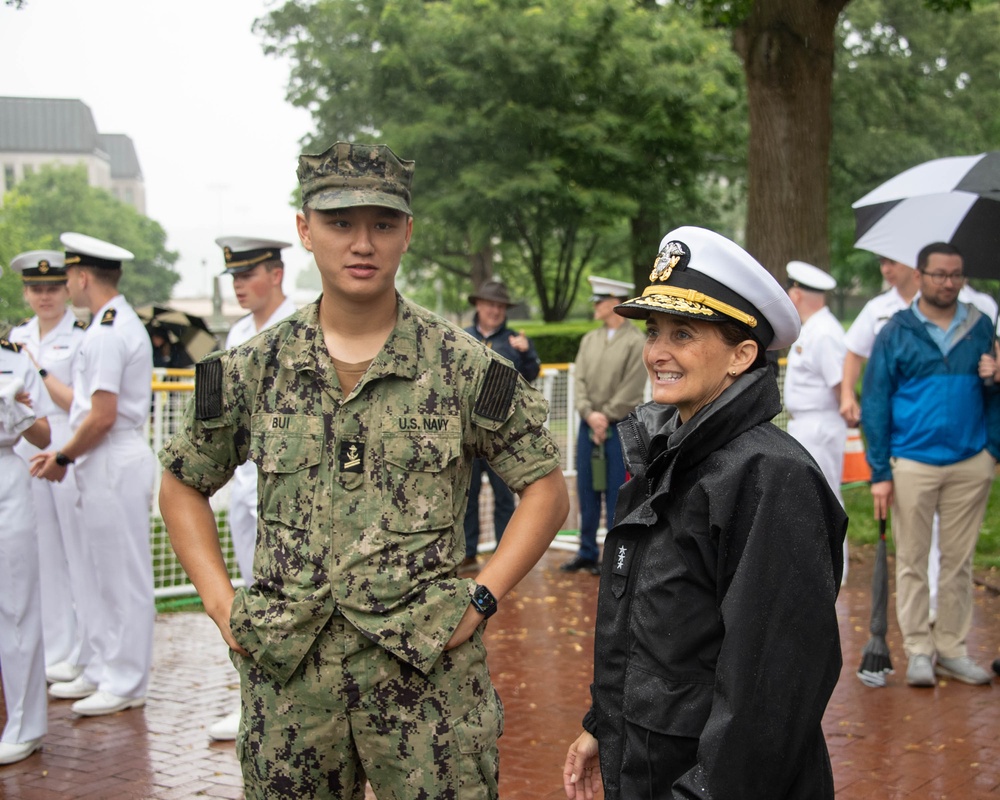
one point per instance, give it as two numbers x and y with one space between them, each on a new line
911 85
544 131
56 199
788 50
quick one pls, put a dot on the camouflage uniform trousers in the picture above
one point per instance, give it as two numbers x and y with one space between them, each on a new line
353 711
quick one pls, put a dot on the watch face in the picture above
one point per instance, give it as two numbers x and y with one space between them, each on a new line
484 601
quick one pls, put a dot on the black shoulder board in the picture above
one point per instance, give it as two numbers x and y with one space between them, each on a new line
498 390
208 388
109 317
10 346
80 324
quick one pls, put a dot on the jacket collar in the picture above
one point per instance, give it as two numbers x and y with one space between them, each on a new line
656 444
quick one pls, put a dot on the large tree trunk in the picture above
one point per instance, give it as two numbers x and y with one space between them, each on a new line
646 228
481 266
787 47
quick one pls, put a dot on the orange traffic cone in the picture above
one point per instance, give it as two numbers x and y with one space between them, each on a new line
856 468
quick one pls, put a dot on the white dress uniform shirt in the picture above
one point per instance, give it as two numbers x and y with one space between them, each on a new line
873 317
115 482
116 357
816 365
243 489
21 649
60 550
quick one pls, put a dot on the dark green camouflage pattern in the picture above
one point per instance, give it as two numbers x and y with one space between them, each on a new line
348 175
360 499
353 711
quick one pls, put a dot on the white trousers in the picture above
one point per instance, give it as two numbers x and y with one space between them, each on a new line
59 556
21 650
824 435
243 517
115 482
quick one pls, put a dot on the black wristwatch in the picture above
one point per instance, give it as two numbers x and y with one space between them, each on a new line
63 460
484 601
43 372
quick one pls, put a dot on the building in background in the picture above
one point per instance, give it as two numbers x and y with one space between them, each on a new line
38 130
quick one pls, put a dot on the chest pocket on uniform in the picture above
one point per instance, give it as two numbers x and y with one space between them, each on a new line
418 488
287 450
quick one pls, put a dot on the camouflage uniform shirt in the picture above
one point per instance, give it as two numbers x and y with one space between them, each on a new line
361 498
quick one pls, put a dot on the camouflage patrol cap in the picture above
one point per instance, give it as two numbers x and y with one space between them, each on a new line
349 175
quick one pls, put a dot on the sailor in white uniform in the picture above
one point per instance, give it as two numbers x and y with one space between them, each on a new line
52 339
257 271
21 649
114 468
814 373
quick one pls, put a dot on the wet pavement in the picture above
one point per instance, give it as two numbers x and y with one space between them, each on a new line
896 742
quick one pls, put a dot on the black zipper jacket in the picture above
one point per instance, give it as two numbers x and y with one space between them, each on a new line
717 646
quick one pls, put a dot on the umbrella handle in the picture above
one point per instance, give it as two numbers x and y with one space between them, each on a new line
881 529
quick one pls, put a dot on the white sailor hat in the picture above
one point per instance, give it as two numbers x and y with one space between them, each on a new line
806 276
86 251
243 253
603 288
702 275
39 267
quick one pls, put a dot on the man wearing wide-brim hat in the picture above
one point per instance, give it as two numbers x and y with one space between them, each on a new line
489 326
114 469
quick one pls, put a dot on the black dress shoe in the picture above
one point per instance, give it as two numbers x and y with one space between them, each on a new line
996 666
577 563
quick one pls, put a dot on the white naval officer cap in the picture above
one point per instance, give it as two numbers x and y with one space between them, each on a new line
700 274
603 288
805 276
40 267
86 251
243 253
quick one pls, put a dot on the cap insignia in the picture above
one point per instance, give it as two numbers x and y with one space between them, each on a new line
673 255
227 252
43 266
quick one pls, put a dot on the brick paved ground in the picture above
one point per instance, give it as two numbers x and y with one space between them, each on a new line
888 743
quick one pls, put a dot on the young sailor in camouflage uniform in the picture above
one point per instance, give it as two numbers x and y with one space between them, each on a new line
359 648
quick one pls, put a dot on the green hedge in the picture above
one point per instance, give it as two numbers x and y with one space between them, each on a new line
555 342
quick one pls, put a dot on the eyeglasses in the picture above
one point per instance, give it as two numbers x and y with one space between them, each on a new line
940 278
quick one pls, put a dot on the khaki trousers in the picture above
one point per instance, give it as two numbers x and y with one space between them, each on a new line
958 492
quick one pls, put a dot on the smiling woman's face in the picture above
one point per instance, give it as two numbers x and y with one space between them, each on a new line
688 362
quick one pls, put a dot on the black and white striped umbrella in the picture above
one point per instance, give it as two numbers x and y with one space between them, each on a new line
955 200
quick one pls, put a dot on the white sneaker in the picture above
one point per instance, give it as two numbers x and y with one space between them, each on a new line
62 672
100 703
12 753
72 690
920 671
962 669
225 729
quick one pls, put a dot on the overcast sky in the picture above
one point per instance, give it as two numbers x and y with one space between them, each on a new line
187 80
